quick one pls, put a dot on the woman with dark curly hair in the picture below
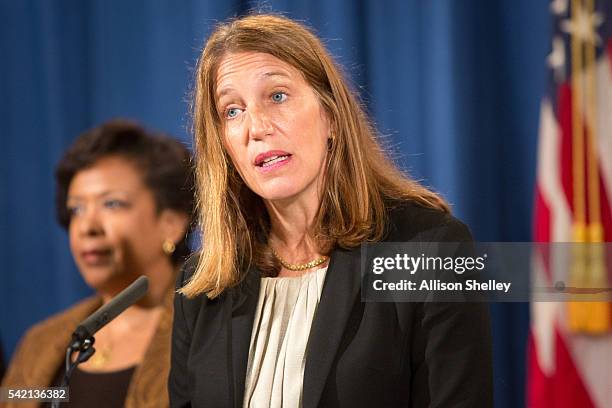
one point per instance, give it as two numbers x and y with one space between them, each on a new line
125 196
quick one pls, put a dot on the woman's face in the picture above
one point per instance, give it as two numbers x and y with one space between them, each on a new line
274 126
115 231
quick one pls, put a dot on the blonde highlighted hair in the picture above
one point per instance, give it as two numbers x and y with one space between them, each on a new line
360 183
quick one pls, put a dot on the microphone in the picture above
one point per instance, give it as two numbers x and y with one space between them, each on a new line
101 317
82 338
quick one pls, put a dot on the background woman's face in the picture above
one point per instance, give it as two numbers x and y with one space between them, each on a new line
274 126
115 231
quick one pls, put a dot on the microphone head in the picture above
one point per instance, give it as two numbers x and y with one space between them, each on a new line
101 317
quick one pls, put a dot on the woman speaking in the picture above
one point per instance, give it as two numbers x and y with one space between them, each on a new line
291 181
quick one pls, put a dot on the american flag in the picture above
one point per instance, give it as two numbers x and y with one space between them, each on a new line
570 347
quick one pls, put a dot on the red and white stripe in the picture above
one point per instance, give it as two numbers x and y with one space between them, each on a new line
565 369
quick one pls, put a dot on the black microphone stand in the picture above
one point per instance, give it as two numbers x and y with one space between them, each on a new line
83 340
84 347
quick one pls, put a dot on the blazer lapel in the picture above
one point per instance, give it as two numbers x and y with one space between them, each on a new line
341 287
43 350
148 386
244 303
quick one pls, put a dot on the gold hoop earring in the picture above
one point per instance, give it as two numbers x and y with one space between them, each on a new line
168 247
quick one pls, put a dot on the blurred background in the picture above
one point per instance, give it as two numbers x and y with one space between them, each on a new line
454 87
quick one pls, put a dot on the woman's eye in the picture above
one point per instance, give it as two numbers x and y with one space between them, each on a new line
279 97
74 210
231 113
114 204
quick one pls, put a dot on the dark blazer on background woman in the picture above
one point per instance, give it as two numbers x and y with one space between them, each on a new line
359 354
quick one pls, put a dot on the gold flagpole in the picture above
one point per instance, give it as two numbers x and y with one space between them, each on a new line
588 268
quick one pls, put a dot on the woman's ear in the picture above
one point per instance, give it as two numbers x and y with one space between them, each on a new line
174 225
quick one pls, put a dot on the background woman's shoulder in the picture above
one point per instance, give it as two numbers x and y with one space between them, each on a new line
63 322
41 349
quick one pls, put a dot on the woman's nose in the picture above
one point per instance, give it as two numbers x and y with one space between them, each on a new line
261 124
90 223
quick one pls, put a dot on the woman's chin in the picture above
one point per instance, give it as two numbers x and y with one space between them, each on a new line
279 194
277 189
104 280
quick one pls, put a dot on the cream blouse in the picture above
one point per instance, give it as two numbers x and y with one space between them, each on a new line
285 311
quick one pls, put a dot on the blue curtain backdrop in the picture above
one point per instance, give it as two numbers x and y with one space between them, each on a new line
453 85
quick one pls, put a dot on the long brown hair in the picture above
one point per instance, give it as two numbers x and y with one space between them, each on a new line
360 180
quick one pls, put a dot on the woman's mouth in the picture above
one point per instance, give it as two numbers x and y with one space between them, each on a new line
96 257
269 161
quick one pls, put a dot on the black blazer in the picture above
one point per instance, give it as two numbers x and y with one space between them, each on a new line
359 354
